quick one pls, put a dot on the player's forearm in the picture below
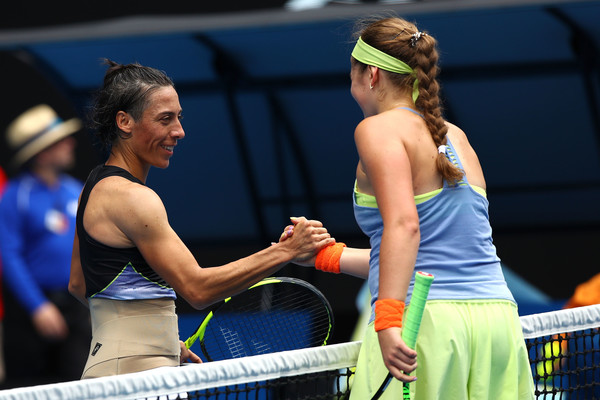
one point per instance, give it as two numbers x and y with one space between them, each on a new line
355 262
218 283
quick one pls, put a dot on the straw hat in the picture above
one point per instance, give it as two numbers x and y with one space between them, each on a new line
35 130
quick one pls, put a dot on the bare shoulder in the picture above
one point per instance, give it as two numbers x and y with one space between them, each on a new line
384 127
457 136
467 155
120 208
126 194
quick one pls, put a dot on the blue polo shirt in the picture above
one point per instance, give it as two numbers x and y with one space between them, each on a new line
37 226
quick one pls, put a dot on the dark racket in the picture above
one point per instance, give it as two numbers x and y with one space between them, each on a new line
276 314
412 323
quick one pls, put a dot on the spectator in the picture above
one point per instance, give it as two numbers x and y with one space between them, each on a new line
2 367
47 332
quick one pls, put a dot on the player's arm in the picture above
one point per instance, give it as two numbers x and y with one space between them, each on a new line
387 165
355 262
385 161
76 279
165 252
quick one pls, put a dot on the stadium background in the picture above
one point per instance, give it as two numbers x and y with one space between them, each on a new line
269 117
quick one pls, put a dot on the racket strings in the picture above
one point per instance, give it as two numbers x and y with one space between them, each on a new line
270 318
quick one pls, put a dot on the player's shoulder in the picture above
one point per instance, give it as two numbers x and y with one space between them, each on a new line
127 194
386 127
456 134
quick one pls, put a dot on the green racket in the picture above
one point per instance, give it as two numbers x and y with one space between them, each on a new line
412 323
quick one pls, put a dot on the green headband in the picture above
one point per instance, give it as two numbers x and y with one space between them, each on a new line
369 55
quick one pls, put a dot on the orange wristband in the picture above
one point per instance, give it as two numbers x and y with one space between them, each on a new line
388 314
328 258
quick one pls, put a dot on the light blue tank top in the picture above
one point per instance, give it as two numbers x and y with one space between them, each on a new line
456 244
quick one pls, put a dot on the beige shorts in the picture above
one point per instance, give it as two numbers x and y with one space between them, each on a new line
131 336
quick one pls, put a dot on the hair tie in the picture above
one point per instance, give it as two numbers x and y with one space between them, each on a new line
414 38
442 149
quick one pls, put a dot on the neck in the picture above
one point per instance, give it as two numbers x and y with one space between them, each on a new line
395 100
403 105
136 169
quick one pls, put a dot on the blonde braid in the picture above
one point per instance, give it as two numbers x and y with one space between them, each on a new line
426 68
401 39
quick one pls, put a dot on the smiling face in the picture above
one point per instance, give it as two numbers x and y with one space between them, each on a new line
155 134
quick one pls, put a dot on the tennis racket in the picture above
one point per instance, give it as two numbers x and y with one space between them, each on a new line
412 323
276 314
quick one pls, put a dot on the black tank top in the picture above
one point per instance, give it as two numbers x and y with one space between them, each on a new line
115 273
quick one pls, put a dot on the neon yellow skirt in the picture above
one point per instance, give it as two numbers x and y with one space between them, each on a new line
466 350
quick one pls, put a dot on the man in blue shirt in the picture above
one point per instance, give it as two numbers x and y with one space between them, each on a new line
47 331
3 180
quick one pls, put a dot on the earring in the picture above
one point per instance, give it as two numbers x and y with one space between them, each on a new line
371 86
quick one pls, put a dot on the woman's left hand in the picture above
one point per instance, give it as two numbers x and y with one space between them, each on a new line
187 355
398 358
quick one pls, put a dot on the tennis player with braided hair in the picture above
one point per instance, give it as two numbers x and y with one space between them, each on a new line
420 196
127 262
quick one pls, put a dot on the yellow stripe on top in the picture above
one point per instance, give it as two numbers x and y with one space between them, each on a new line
367 200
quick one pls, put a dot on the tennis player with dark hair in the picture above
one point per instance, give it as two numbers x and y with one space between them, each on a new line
128 263
420 196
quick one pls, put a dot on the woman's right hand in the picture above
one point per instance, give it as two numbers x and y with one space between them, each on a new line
307 237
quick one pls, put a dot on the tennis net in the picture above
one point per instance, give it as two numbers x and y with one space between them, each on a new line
563 346
564 352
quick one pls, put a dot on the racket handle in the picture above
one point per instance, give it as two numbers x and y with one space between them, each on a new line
411 325
414 314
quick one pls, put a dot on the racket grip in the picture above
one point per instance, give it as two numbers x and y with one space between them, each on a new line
414 314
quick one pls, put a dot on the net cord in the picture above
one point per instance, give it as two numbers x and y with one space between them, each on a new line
263 367
561 321
195 376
